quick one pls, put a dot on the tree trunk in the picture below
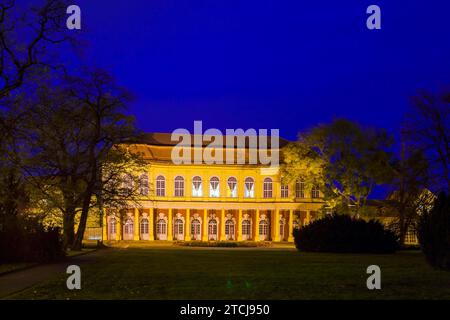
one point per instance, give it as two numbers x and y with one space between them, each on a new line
402 227
68 227
78 240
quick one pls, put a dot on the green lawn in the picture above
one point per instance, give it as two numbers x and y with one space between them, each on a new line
185 273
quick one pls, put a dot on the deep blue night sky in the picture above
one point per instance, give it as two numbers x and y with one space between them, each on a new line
268 64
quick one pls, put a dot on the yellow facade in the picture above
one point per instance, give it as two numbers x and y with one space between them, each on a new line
220 214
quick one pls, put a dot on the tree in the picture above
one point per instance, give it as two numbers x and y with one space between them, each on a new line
23 55
71 134
410 196
427 128
345 159
434 233
26 40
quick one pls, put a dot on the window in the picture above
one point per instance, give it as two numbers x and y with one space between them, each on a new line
214 191
195 228
284 191
411 236
197 187
232 187
144 226
143 184
179 186
128 183
263 228
315 192
161 226
249 188
295 224
178 227
212 227
128 228
160 186
246 228
300 189
112 226
267 188
229 229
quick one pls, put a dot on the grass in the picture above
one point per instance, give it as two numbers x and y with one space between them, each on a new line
72 253
189 273
10 267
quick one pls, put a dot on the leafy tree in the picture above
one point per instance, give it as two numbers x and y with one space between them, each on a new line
345 159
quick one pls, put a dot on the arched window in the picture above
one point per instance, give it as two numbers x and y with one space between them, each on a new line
160 186
268 188
263 228
232 187
249 188
144 226
143 184
214 191
300 189
178 229
179 186
315 193
112 227
161 228
246 228
229 229
197 187
128 229
196 229
212 229
284 191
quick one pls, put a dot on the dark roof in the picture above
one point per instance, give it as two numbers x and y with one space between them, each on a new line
164 139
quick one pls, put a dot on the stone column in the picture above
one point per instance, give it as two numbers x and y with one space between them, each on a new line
169 226
291 227
256 224
308 217
277 225
187 232
119 227
239 226
104 226
136 225
205 225
151 225
222 225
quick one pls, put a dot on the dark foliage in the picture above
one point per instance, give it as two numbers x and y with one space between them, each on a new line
29 241
434 233
344 234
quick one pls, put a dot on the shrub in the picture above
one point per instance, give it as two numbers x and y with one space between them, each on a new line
434 233
30 241
344 234
223 244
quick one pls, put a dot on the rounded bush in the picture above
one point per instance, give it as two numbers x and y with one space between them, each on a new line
345 234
